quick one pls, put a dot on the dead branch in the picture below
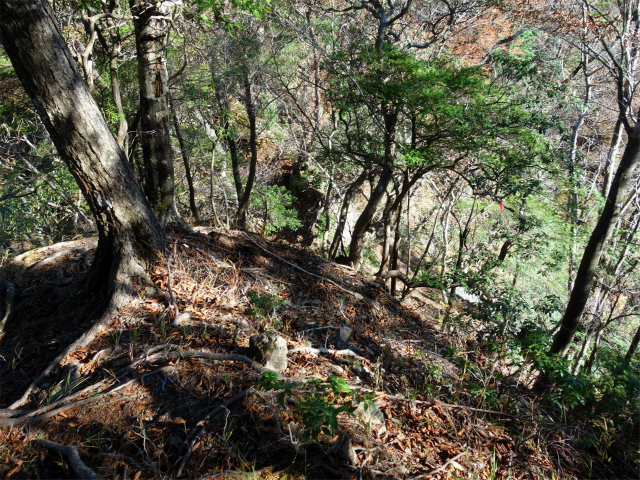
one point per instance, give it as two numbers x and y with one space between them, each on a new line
26 420
328 351
355 294
439 469
75 462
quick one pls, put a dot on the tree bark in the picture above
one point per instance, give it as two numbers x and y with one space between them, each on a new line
46 68
632 348
185 160
356 246
241 215
593 251
150 29
344 210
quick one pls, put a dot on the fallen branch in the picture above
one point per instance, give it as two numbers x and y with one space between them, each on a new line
355 294
11 422
75 462
439 469
328 351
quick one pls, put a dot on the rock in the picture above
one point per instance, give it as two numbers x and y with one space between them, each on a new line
371 416
345 334
342 449
269 349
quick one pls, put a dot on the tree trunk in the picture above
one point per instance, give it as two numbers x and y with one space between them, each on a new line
588 366
150 28
241 215
356 246
593 251
632 348
114 52
344 210
49 74
609 168
185 160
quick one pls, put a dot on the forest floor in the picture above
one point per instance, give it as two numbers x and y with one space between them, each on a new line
150 399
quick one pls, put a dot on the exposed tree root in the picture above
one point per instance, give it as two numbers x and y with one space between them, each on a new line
100 326
75 462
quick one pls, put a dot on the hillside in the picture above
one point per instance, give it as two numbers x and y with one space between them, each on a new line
150 397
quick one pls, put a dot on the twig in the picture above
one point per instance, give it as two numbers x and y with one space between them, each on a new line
439 469
200 428
75 462
329 351
355 294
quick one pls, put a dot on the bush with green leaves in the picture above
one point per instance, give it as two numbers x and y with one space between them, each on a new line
275 206
318 402
263 305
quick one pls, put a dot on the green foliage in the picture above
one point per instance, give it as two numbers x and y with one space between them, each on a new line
263 305
277 211
319 402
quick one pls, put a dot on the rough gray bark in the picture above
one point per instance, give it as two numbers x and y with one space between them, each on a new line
150 28
48 72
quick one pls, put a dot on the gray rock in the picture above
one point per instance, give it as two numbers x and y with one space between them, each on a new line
345 334
269 349
370 416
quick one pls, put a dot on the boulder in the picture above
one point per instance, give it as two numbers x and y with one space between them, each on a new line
269 349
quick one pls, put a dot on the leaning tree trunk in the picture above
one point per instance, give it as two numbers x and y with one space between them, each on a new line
632 348
593 251
46 68
356 247
150 31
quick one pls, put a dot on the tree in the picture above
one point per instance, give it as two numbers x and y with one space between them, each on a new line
617 51
123 216
151 25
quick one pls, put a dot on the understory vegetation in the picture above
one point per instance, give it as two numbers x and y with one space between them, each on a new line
432 205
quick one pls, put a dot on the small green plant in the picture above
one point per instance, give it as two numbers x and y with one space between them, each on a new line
317 406
263 305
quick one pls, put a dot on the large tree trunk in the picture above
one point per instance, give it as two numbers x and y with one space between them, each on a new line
151 27
593 251
46 68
